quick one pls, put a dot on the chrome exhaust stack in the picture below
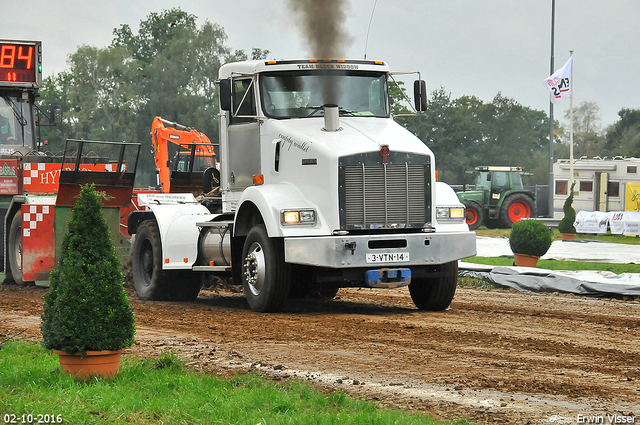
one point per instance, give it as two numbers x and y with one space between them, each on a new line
331 118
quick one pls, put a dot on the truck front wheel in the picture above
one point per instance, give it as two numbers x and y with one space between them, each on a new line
435 293
266 278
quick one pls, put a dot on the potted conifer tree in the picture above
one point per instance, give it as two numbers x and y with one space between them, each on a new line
529 240
87 317
566 227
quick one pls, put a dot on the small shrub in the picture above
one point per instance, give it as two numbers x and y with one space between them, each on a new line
566 224
87 307
531 237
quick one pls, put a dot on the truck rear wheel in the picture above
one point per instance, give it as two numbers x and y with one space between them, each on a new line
150 281
435 294
474 215
515 208
266 278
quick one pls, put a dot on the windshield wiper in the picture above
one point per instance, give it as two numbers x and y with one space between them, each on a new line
341 110
16 113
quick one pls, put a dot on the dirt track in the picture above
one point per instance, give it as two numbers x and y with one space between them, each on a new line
493 357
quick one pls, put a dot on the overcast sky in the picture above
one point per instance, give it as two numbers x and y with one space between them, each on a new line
469 47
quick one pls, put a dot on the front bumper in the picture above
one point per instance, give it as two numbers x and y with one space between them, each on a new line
351 251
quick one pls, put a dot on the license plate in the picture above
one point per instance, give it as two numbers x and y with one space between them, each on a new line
388 257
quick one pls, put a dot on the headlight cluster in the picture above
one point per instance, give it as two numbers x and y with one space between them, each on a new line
289 217
450 213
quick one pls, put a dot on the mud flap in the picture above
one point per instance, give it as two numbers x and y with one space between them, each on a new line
388 278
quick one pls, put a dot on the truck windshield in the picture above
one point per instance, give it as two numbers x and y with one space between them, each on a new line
300 94
15 122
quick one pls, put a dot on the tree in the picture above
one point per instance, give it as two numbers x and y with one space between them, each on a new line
449 127
623 137
466 132
515 135
168 69
587 131
56 89
87 307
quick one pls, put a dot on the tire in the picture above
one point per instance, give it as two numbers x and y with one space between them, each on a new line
514 208
435 294
266 278
14 249
150 281
474 215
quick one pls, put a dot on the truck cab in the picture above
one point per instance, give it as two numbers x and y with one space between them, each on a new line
319 182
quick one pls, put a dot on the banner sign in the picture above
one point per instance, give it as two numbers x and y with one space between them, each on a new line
619 222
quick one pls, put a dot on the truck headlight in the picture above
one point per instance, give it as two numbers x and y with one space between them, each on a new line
288 217
449 213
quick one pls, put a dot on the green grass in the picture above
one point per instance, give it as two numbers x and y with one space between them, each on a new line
163 391
560 265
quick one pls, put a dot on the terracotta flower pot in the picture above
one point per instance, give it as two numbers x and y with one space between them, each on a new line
524 260
568 236
104 364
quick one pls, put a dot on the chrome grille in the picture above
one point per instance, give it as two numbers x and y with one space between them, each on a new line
384 196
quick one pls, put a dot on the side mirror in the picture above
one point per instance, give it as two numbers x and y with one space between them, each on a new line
56 113
225 94
420 95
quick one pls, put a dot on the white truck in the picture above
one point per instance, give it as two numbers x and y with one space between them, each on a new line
320 189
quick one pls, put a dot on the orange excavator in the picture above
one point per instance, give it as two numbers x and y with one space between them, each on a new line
183 156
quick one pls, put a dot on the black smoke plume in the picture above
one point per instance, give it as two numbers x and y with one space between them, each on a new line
323 22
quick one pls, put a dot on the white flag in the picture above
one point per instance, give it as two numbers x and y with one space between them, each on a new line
559 84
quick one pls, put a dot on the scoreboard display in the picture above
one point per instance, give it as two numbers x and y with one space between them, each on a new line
20 63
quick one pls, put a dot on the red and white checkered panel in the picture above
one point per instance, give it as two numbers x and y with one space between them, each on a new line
38 241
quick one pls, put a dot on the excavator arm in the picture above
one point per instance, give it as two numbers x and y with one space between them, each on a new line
167 134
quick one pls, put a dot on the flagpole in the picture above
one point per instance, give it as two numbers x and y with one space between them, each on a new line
571 123
551 187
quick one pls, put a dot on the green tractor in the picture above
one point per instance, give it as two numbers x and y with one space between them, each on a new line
499 198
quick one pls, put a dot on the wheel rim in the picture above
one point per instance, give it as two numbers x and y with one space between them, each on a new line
146 260
519 210
254 268
471 216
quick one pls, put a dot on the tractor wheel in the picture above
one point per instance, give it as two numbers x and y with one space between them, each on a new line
14 251
436 293
515 208
266 278
150 281
474 215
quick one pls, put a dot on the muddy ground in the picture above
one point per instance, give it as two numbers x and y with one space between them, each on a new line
495 356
